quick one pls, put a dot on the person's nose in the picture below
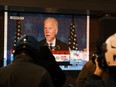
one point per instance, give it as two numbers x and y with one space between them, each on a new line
47 31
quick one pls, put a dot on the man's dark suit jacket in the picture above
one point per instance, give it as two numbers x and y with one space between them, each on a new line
59 44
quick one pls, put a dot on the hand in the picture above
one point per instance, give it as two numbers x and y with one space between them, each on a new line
98 70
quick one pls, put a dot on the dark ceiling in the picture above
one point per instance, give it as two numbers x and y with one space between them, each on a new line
96 8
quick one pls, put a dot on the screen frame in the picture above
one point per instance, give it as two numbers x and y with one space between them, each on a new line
6 32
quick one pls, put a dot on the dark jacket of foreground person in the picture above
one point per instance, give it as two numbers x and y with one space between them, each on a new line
47 60
97 81
24 73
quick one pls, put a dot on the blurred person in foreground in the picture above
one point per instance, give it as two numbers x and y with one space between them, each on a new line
50 33
105 62
23 72
89 68
47 60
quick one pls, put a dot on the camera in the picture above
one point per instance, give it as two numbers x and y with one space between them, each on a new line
94 56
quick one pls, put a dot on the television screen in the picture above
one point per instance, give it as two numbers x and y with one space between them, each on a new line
72 29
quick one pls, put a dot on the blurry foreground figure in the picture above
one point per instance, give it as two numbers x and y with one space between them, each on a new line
47 60
23 72
105 62
89 68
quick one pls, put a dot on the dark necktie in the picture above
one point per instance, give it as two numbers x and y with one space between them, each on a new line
50 46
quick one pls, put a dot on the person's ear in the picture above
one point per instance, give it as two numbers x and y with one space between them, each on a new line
56 31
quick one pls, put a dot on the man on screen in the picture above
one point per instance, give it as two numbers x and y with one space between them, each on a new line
50 32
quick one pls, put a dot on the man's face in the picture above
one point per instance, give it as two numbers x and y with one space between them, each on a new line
50 30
